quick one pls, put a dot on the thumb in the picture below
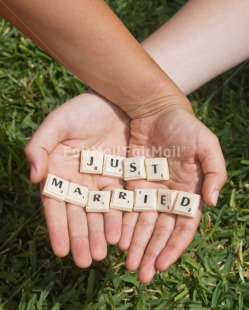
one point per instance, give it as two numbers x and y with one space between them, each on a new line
43 142
214 169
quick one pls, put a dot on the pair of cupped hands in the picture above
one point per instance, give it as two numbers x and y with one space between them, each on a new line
153 240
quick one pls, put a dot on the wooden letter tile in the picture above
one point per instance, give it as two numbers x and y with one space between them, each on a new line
91 162
134 168
77 194
157 169
186 204
145 200
98 201
55 187
113 166
165 200
122 200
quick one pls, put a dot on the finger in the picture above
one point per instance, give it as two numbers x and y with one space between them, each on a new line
182 235
56 219
128 226
40 146
130 219
142 234
113 226
78 231
214 168
98 245
113 220
164 226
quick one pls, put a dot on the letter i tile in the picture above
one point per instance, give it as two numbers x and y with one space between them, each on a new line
145 200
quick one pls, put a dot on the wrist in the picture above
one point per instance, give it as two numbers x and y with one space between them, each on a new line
155 99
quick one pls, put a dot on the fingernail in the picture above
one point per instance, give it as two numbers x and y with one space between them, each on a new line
215 197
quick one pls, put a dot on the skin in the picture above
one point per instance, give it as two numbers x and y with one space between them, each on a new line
162 243
154 241
174 46
69 226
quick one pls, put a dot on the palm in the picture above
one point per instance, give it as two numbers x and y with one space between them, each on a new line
157 239
86 121
91 123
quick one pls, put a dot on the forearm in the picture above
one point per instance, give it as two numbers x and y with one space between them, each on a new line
87 37
202 40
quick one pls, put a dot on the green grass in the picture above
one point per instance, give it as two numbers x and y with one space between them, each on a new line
212 274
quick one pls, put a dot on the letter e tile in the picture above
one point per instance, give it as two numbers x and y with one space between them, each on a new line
165 200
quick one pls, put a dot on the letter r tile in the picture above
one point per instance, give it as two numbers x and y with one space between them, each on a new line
98 201
122 200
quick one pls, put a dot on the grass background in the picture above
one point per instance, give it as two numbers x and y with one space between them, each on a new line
212 274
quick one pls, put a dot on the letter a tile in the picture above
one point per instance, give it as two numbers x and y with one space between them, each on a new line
55 187
77 194
186 204
91 162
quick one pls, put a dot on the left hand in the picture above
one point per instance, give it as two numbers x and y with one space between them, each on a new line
156 240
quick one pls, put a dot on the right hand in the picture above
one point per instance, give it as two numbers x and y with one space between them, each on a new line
86 121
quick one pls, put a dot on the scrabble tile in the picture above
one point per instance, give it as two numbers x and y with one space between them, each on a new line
77 194
91 162
186 204
145 200
55 187
98 201
113 166
166 200
157 169
122 200
134 168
